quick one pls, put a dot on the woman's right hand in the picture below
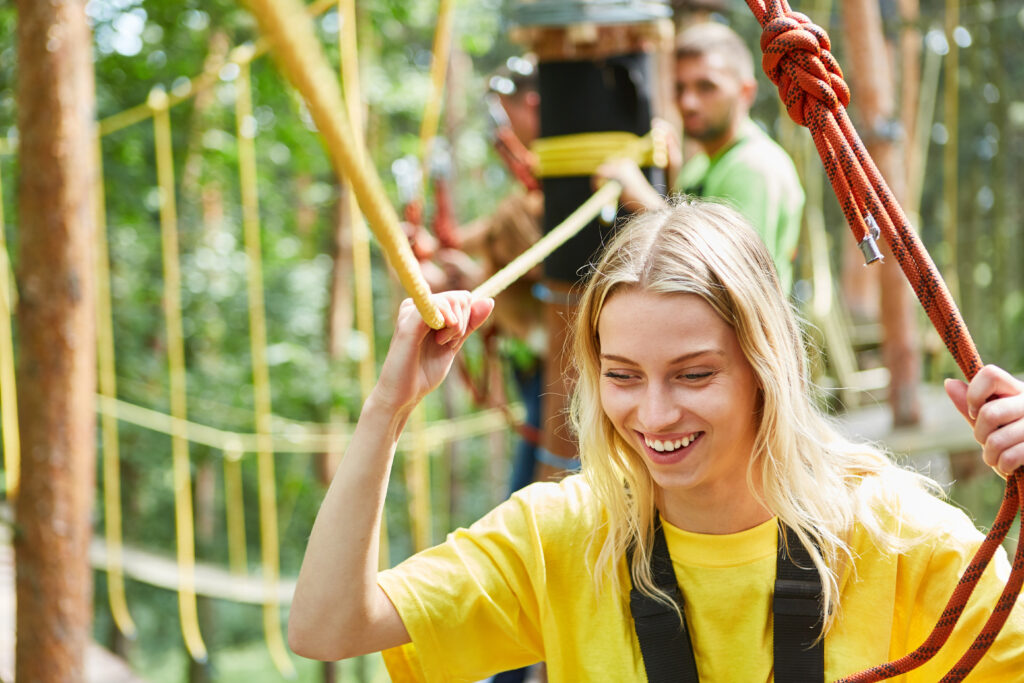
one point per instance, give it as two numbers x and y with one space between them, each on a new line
419 358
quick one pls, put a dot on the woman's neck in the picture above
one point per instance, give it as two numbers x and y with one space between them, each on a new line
712 512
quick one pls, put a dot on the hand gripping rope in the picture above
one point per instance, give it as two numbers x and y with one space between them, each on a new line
797 58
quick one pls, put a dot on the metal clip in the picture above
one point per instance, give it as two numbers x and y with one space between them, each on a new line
869 245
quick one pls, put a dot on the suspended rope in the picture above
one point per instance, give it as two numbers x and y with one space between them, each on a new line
295 440
8 393
176 370
303 62
107 381
529 259
438 72
269 542
798 60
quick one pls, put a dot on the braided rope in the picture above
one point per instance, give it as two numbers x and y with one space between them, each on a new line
302 61
797 58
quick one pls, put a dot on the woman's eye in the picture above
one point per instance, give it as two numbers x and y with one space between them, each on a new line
616 375
696 376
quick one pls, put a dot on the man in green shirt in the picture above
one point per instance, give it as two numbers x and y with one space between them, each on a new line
737 162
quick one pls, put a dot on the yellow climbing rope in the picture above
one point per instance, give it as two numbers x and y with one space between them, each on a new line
361 268
269 542
176 366
8 393
303 62
107 381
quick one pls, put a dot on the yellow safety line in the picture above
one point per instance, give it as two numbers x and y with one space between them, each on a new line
362 273
107 380
269 542
522 264
235 507
176 367
302 60
192 86
438 71
8 392
436 433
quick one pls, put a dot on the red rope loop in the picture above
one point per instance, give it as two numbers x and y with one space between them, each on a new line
797 59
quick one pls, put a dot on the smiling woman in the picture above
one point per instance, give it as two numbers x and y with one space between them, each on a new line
711 485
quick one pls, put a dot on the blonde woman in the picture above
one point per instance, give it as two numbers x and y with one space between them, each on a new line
701 448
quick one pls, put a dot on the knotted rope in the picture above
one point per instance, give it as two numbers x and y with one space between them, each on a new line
797 58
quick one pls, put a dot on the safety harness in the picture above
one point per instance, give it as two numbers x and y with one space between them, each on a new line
798 650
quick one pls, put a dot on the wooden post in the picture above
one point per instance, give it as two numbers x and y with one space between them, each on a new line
871 71
56 340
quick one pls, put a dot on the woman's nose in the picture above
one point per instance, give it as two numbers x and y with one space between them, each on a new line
659 410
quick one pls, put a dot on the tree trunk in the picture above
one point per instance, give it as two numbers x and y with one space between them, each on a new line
875 101
56 335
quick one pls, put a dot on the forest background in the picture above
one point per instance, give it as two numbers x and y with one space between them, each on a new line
970 210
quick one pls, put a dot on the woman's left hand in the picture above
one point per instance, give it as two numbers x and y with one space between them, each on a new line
994 405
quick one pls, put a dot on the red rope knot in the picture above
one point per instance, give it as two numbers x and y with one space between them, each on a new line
797 59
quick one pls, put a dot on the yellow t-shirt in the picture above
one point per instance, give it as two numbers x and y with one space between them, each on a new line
517 587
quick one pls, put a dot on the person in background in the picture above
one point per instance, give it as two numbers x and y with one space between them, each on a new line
736 161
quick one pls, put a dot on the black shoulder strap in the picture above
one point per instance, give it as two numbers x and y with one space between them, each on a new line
797 607
665 642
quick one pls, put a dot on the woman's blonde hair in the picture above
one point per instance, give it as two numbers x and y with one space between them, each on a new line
817 482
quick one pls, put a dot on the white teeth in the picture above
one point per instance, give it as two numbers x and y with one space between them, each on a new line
662 446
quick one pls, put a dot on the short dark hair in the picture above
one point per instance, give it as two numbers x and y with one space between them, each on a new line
713 37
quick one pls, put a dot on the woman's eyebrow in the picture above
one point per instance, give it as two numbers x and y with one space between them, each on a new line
678 359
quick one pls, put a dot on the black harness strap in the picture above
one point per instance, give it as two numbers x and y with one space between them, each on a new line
797 608
797 605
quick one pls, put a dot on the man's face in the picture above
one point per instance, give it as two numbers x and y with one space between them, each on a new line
710 96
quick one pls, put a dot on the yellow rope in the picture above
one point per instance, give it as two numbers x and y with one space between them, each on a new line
269 541
235 507
438 72
582 153
8 393
362 273
176 366
435 434
522 264
303 62
107 380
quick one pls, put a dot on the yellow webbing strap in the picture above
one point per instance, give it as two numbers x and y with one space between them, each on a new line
176 366
107 381
582 153
302 60
438 72
267 489
235 507
8 393
525 262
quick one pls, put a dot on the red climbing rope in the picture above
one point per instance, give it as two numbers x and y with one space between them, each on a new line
797 58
